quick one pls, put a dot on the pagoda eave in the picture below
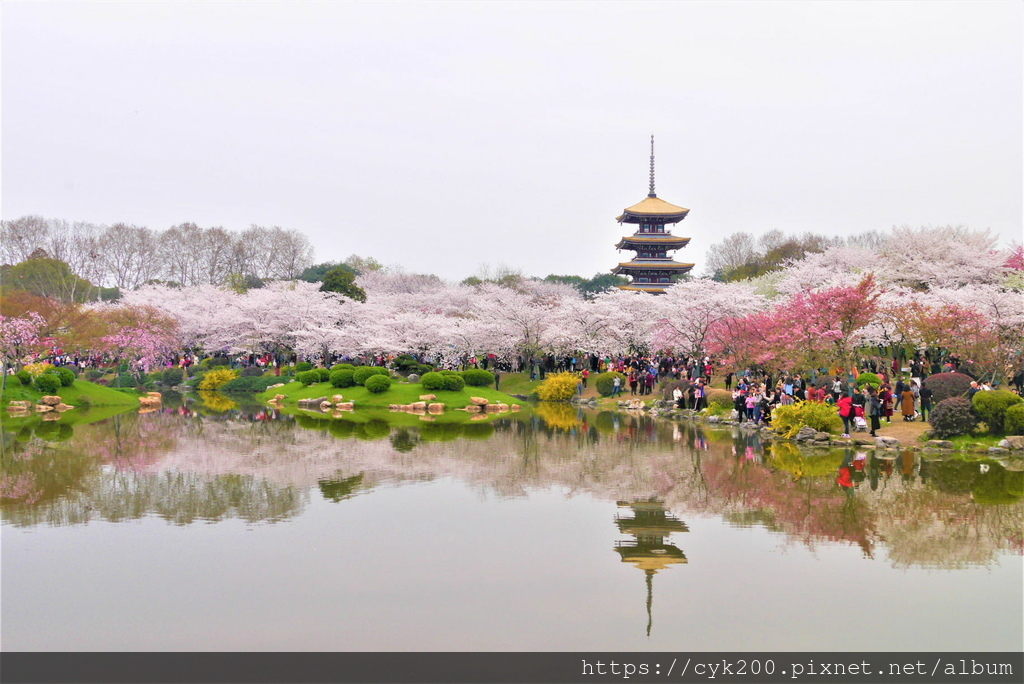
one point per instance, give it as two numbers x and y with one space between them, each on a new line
666 242
631 266
630 217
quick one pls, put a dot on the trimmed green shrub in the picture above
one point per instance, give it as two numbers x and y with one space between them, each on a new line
720 398
432 381
172 376
302 366
66 375
953 417
127 380
477 377
991 408
604 382
343 377
866 379
1013 420
361 374
406 363
454 382
342 366
252 372
24 377
378 383
218 361
93 374
307 377
788 420
249 383
946 385
323 374
558 387
424 368
48 383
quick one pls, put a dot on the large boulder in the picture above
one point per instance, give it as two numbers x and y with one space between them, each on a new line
428 397
50 400
887 442
1011 442
413 378
478 401
435 408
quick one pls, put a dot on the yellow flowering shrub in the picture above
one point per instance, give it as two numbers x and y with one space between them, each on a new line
558 387
217 378
37 369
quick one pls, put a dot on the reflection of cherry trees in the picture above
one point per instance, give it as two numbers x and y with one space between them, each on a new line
190 467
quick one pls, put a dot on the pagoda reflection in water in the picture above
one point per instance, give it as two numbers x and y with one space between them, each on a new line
650 550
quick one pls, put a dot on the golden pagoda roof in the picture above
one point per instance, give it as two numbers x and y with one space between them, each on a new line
654 288
656 238
654 206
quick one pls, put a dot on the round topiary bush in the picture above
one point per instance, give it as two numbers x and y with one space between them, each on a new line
219 361
322 374
172 376
361 374
477 377
605 382
953 417
720 397
93 374
991 408
308 377
66 375
378 383
866 379
252 372
432 381
946 385
342 366
454 382
24 377
1013 421
48 383
342 377
303 366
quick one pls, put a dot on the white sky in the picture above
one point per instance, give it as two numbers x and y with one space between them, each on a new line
441 136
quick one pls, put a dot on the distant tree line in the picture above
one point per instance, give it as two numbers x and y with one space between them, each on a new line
125 256
741 255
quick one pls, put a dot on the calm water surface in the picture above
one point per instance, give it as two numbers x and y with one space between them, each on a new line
179 530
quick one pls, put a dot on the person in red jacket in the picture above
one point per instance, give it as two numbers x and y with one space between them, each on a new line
845 405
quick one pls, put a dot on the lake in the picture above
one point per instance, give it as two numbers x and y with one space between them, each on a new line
552 530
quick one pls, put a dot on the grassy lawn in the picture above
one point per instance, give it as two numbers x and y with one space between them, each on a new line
518 383
80 393
400 393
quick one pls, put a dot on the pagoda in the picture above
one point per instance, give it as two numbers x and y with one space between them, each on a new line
651 527
652 269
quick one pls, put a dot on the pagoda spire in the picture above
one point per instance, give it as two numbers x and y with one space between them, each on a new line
651 192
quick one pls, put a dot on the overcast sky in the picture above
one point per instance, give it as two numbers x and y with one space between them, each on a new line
442 136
